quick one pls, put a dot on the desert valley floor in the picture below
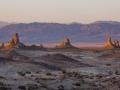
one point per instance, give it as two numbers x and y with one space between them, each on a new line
60 69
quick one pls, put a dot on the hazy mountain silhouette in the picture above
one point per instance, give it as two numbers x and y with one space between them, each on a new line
3 24
56 32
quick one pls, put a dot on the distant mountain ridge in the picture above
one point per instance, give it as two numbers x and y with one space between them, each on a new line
3 24
56 32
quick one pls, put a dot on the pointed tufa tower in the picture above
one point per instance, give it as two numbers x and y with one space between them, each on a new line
67 42
15 42
111 44
16 38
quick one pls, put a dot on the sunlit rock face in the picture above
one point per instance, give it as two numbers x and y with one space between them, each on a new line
114 44
66 43
15 42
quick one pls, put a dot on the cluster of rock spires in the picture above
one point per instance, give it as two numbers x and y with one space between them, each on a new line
112 44
66 43
15 42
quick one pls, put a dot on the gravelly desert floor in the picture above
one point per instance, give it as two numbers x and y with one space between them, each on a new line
60 69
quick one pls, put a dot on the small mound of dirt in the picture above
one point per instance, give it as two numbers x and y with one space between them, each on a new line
13 55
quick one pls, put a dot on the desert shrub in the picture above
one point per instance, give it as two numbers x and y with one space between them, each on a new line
75 74
108 64
37 72
99 75
48 73
22 87
61 87
91 77
21 73
63 71
3 88
41 78
32 86
116 72
28 72
59 69
110 73
1 83
2 77
77 84
113 78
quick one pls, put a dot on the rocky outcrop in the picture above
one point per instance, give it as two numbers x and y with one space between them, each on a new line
2 45
16 38
66 43
15 42
110 44
41 45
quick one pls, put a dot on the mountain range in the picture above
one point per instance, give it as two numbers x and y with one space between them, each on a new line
55 32
2 24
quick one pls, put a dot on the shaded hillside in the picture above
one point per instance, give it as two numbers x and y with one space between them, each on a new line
55 32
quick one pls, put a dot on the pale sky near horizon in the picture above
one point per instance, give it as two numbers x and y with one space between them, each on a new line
61 11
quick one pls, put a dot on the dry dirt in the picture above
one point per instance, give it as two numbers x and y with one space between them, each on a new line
60 69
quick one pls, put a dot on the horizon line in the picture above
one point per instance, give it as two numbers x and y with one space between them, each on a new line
61 23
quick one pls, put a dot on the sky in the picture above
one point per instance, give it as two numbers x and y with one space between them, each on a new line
60 11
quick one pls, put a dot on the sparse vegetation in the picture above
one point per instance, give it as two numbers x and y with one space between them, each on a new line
63 71
117 72
2 77
99 75
21 73
48 73
32 86
77 84
61 87
22 87
28 72
108 64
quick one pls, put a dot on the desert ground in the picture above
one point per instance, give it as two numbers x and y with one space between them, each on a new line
60 69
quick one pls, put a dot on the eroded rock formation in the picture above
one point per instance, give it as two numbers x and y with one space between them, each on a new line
16 38
66 43
41 45
111 44
2 45
15 42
